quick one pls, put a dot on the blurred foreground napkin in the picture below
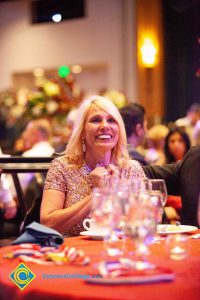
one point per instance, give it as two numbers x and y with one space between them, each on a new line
126 271
40 234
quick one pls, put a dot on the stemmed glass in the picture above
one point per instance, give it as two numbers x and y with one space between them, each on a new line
106 211
158 198
158 192
157 205
159 185
141 227
101 208
128 208
140 221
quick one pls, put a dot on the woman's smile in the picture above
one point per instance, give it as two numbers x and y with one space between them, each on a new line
104 137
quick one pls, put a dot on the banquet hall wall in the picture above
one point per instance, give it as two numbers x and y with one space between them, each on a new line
101 37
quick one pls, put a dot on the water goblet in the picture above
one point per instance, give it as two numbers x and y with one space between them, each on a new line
106 211
159 185
141 227
157 205
101 207
157 211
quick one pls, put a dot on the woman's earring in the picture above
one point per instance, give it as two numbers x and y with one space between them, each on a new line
83 145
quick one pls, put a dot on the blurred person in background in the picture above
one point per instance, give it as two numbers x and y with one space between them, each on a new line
135 123
190 120
62 137
196 134
37 138
7 202
155 140
8 206
182 178
71 119
177 143
36 141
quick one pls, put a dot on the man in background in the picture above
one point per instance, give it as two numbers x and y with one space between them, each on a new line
182 178
190 120
135 122
36 140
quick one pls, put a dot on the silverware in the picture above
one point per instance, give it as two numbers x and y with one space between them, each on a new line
164 228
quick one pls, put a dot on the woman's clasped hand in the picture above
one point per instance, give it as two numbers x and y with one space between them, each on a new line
102 176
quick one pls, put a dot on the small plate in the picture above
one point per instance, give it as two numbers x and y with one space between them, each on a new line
169 229
93 235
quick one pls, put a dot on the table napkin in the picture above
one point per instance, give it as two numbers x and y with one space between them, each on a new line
40 234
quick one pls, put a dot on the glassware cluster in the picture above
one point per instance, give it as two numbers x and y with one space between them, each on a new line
129 209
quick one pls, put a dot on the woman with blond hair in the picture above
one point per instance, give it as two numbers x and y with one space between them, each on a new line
96 150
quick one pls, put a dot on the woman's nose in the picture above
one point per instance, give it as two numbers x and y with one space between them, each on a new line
104 124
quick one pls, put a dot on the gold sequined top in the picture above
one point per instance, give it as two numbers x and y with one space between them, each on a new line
74 181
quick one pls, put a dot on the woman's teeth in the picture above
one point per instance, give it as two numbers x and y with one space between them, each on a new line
104 136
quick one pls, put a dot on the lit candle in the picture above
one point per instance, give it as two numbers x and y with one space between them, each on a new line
177 253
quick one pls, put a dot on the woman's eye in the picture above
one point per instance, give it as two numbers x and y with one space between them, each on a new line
111 120
95 120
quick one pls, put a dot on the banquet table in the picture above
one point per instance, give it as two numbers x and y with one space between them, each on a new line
185 285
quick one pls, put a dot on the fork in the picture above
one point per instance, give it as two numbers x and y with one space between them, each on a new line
164 227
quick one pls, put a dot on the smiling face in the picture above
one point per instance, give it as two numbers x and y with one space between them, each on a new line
101 130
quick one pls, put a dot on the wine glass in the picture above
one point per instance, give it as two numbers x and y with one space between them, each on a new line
159 185
158 199
157 205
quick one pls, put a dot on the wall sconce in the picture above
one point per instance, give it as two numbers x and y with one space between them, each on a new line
148 53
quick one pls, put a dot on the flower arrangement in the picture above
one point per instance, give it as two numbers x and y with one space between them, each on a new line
54 98
118 98
10 109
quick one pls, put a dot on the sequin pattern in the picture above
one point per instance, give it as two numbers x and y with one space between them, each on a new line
76 184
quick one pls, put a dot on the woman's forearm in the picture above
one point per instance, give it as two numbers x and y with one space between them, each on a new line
64 218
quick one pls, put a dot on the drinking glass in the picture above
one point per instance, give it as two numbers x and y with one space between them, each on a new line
101 207
140 184
158 199
157 205
141 225
160 186
107 211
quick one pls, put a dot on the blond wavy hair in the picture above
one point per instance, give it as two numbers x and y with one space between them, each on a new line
74 149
